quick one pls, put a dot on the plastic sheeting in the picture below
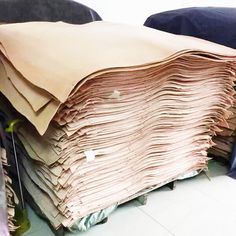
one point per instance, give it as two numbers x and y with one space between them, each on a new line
88 221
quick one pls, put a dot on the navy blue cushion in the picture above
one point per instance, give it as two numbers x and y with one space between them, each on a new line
211 23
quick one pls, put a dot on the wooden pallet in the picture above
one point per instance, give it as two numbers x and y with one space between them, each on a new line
141 197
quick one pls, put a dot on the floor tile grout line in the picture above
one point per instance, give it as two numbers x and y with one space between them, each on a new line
212 198
151 217
215 199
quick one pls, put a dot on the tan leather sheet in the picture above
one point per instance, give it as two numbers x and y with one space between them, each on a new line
67 54
156 126
11 197
224 140
122 109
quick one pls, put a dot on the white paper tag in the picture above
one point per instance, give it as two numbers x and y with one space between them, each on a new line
90 155
116 94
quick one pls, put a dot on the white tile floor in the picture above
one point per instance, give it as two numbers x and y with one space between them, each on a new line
198 206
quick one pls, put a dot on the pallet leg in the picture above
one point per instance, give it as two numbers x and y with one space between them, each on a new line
103 221
172 185
142 199
206 174
59 232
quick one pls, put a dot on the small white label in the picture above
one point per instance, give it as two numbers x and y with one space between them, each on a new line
90 155
116 94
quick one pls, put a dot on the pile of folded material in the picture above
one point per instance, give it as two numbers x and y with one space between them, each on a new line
111 110
11 198
225 139
181 21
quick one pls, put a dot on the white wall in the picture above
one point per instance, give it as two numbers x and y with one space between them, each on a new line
136 11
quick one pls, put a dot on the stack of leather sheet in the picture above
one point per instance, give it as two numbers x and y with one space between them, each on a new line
111 109
225 139
9 199
213 24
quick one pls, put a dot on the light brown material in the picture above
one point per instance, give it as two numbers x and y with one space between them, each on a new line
141 138
12 199
41 65
225 139
129 108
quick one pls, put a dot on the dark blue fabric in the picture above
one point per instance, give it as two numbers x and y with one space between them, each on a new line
211 23
14 11
232 170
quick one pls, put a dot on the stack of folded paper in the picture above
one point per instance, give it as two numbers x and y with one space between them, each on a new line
114 109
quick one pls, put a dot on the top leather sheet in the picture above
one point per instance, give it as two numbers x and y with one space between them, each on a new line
47 54
55 57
